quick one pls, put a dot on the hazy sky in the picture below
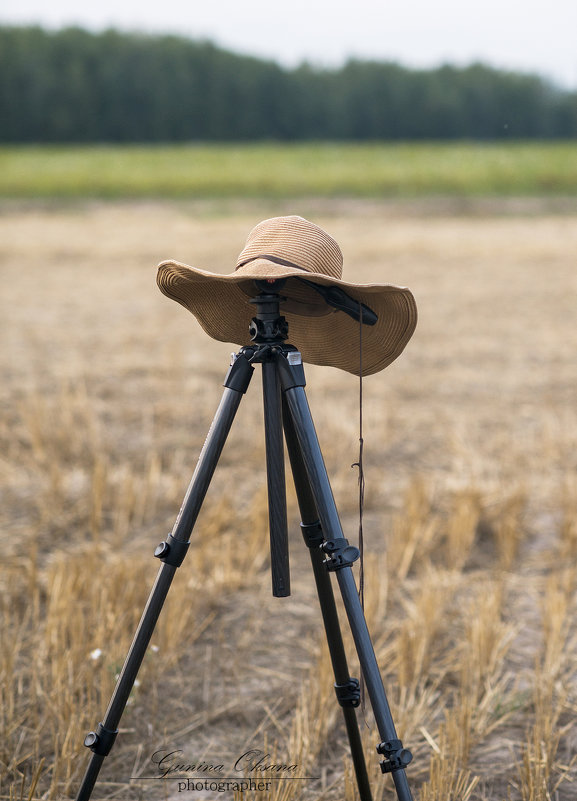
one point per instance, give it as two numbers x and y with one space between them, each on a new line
519 34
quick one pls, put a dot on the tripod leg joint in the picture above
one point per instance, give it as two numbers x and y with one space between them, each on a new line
291 370
240 372
172 551
340 554
396 757
349 694
101 740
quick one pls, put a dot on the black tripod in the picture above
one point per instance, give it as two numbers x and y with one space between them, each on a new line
285 405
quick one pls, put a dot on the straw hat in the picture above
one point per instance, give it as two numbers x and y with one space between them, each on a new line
296 249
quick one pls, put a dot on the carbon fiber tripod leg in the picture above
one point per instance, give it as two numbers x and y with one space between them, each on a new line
171 553
339 561
346 688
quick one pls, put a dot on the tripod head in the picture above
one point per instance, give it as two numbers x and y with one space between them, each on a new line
268 326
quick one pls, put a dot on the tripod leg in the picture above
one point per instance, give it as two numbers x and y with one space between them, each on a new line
396 757
347 689
279 548
171 553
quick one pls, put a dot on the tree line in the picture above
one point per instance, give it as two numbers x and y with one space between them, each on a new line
72 85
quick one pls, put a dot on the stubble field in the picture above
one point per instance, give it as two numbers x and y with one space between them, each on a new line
108 389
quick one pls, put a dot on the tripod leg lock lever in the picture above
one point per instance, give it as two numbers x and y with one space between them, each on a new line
312 534
340 553
101 740
396 757
171 551
349 694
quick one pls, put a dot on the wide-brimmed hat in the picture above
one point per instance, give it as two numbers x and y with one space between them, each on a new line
303 253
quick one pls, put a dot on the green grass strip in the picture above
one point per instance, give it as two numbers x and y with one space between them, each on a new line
284 170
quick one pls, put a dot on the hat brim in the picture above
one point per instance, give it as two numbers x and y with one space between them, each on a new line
322 334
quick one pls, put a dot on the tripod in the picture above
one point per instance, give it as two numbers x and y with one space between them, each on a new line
285 407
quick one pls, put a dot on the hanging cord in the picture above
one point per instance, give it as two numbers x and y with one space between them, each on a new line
359 464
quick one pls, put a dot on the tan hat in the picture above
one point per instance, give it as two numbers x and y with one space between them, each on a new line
300 251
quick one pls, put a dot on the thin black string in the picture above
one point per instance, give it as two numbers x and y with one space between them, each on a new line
359 464
361 469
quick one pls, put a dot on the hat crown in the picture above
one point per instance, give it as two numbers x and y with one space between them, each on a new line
295 240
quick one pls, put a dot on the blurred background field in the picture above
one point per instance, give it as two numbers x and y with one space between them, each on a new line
107 392
284 170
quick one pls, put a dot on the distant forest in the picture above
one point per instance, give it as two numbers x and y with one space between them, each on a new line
75 86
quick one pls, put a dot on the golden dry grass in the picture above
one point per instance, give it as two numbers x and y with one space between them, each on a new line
108 389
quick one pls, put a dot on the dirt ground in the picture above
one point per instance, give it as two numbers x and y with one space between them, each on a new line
108 389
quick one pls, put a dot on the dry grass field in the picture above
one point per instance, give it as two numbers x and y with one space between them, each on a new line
107 392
